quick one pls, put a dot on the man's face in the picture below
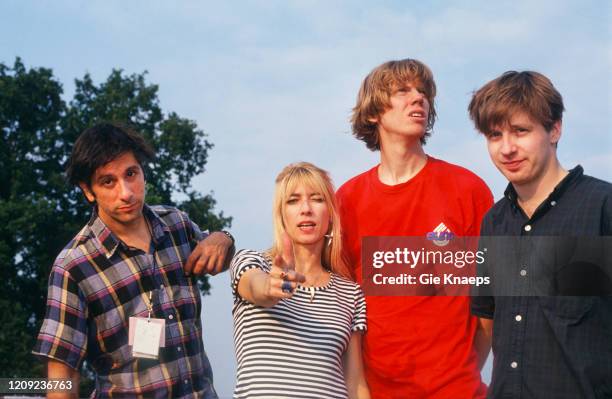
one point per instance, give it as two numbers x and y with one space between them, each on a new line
523 150
118 188
408 113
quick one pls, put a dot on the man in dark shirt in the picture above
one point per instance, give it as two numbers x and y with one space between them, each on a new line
546 342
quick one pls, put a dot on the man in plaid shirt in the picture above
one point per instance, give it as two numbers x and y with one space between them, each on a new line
130 260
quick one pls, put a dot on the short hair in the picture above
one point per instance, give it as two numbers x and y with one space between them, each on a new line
530 92
317 179
102 143
375 93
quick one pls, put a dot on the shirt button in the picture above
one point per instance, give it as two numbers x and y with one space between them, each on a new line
186 381
528 227
523 272
161 286
171 317
178 349
553 203
514 365
518 317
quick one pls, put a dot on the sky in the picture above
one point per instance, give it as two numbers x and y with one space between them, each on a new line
273 82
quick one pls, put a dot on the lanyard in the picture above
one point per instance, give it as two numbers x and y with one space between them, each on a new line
150 305
151 246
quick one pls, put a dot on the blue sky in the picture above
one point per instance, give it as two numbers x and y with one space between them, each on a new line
273 82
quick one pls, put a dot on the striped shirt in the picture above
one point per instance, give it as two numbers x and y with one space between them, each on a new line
97 283
294 349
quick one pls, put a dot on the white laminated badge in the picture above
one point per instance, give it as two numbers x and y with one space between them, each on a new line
146 336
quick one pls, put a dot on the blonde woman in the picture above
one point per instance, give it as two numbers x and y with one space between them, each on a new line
298 318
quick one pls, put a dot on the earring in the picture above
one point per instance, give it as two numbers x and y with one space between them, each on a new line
329 236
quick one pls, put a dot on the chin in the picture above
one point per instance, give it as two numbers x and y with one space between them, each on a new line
126 219
308 241
512 177
519 180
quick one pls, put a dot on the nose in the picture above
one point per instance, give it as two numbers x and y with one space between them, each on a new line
125 193
507 144
418 97
305 208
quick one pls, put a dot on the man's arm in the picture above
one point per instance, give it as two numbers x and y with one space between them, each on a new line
62 340
482 340
59 370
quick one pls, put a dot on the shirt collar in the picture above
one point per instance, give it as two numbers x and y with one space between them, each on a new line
107 242
568 181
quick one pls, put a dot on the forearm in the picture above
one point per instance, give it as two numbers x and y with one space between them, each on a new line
258 286
229 241
228 257
358 389
354 374
482 340
59 370
254 287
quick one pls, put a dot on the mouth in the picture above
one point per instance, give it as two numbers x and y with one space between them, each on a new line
512 165
128 208
307 226
418 115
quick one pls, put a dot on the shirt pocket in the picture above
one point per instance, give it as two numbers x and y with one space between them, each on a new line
571 309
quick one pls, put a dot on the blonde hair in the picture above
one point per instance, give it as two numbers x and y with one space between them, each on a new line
375 93
318 179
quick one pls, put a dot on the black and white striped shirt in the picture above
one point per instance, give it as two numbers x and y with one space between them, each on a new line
294 349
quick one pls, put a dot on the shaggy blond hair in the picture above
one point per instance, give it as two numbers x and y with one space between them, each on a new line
375 93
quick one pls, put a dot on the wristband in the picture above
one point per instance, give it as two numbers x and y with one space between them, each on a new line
231 237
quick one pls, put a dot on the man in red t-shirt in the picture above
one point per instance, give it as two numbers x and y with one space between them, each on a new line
417 347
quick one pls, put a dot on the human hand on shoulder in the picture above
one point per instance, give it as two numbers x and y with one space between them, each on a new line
211 255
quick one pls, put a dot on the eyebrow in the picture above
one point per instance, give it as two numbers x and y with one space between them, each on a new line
111 175
410 83
102 177
520 125
298 195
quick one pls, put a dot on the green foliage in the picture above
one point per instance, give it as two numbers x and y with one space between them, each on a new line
40 212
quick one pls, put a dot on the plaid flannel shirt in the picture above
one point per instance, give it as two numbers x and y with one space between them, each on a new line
97 283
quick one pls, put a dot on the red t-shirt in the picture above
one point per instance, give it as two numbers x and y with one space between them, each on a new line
417 347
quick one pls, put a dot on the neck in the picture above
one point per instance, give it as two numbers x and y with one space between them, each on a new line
400 161
532 194
308 261
134 234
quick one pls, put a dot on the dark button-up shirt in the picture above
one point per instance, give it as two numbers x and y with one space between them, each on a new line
550 346
97 283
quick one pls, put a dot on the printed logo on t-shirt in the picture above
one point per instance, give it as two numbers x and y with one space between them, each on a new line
441 235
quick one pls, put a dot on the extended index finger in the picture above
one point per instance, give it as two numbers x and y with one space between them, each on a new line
287 245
